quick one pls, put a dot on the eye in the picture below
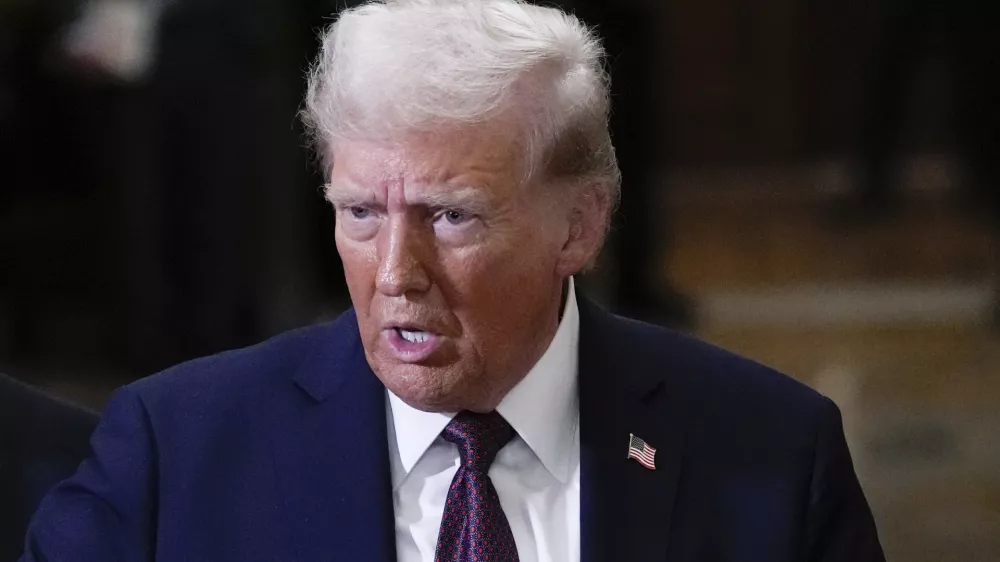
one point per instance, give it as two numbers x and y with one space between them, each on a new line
457 227
359 212
456 217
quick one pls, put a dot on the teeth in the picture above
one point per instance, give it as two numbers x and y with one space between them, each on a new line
414 336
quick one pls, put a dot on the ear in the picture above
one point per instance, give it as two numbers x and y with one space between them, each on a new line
587 230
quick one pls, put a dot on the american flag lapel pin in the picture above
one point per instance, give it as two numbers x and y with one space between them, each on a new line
641 452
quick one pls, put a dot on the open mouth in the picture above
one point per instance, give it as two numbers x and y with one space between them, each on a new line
411 344
413 336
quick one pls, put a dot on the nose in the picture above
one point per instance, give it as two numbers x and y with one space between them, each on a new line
401 268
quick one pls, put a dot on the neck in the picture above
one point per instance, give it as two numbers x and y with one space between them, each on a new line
548 326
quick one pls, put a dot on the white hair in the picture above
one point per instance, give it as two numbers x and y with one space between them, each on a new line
390 67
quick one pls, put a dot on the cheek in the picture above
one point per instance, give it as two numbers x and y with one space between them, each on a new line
503 276
358 255
359 269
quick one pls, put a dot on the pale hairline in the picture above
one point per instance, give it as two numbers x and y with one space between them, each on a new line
532 158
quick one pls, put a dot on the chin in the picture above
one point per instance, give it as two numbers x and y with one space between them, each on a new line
431 389
417 385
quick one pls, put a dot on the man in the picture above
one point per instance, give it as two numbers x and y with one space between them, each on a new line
42 441
470 406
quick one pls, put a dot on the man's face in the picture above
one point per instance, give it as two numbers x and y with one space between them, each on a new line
455 269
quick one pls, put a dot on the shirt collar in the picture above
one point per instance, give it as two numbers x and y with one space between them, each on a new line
549 431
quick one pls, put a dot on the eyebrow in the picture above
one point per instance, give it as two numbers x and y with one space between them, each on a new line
466 198
346 195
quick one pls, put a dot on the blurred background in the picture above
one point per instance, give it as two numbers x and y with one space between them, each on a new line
811 183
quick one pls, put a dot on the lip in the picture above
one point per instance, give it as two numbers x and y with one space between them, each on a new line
407 351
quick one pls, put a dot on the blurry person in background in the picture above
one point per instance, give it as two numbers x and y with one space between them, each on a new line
472 405
212 179
193 167
50 127
42 441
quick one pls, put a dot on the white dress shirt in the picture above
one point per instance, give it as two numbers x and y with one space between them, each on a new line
537 475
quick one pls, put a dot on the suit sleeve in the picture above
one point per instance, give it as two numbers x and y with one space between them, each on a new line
46 440
840 526
105 511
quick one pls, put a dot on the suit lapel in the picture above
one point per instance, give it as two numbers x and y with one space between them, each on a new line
330 448
331 453
625 508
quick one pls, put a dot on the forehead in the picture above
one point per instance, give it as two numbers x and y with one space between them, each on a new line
490 155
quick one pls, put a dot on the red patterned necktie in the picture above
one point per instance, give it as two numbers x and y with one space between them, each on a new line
474 527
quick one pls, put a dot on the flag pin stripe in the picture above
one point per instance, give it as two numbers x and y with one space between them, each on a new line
639 450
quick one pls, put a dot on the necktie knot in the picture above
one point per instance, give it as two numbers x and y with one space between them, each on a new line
479 438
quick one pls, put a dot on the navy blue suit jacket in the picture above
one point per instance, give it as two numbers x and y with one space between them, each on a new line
279 452
42 441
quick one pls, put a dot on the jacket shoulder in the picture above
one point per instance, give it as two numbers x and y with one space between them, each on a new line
719 380
237 376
